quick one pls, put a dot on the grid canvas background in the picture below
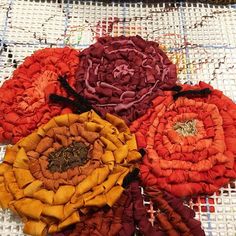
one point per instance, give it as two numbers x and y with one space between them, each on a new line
199 38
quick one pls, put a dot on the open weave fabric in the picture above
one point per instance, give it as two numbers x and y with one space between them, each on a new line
66 166
24 103
129 215
189 141
121 75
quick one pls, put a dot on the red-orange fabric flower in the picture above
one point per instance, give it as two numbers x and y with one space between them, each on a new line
190 142
24 104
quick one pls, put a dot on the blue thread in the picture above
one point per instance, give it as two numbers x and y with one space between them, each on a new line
124 16
208 215
184 33
66 22
6 20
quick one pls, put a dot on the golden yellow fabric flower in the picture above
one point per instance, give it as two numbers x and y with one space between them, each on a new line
71 163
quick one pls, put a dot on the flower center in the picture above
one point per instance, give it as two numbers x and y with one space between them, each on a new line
65 158
122 70
187 128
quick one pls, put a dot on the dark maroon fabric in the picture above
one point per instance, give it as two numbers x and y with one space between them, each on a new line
122 75
129 216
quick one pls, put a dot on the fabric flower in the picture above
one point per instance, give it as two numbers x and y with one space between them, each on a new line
66 166
24 103
190 141
121 75
129 216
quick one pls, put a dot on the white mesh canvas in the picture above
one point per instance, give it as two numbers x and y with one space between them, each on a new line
200 38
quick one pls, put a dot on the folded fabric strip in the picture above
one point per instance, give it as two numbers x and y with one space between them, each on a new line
129 216
24 104
121 75
190 146
68 165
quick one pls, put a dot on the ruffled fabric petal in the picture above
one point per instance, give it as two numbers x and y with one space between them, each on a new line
121 75
129 215
64 168
24 103
188 142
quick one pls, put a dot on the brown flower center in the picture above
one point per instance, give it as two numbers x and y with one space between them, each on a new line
65 158
187 128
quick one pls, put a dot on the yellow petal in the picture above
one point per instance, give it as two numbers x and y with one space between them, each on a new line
71 207
15 190
131 141
97 151
44 144
41 132
5 199
108 157
109 129
102 174
121 136
4 168
109 145
98 201
83 117
54 211
35 228
94 127
44 196
114 139
21 161
62 120
51 124
9 177
93 116
10 154
73 118
111 181
30 142
133 156
113 195
32 188
23 177
29 207
121 153
74 218
121 178
117 122
53 229
96 177
63 194
96 191
5 196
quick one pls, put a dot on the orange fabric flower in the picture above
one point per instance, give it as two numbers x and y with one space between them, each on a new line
66 166
189 142
24 104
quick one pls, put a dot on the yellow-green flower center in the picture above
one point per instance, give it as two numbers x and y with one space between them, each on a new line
186 128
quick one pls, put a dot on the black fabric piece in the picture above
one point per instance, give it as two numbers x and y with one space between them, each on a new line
65 101
176 88
130 177
72 92
192 93
142 151
79 105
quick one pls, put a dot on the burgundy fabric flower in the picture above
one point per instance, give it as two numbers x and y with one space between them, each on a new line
24 104
123 74
129 215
